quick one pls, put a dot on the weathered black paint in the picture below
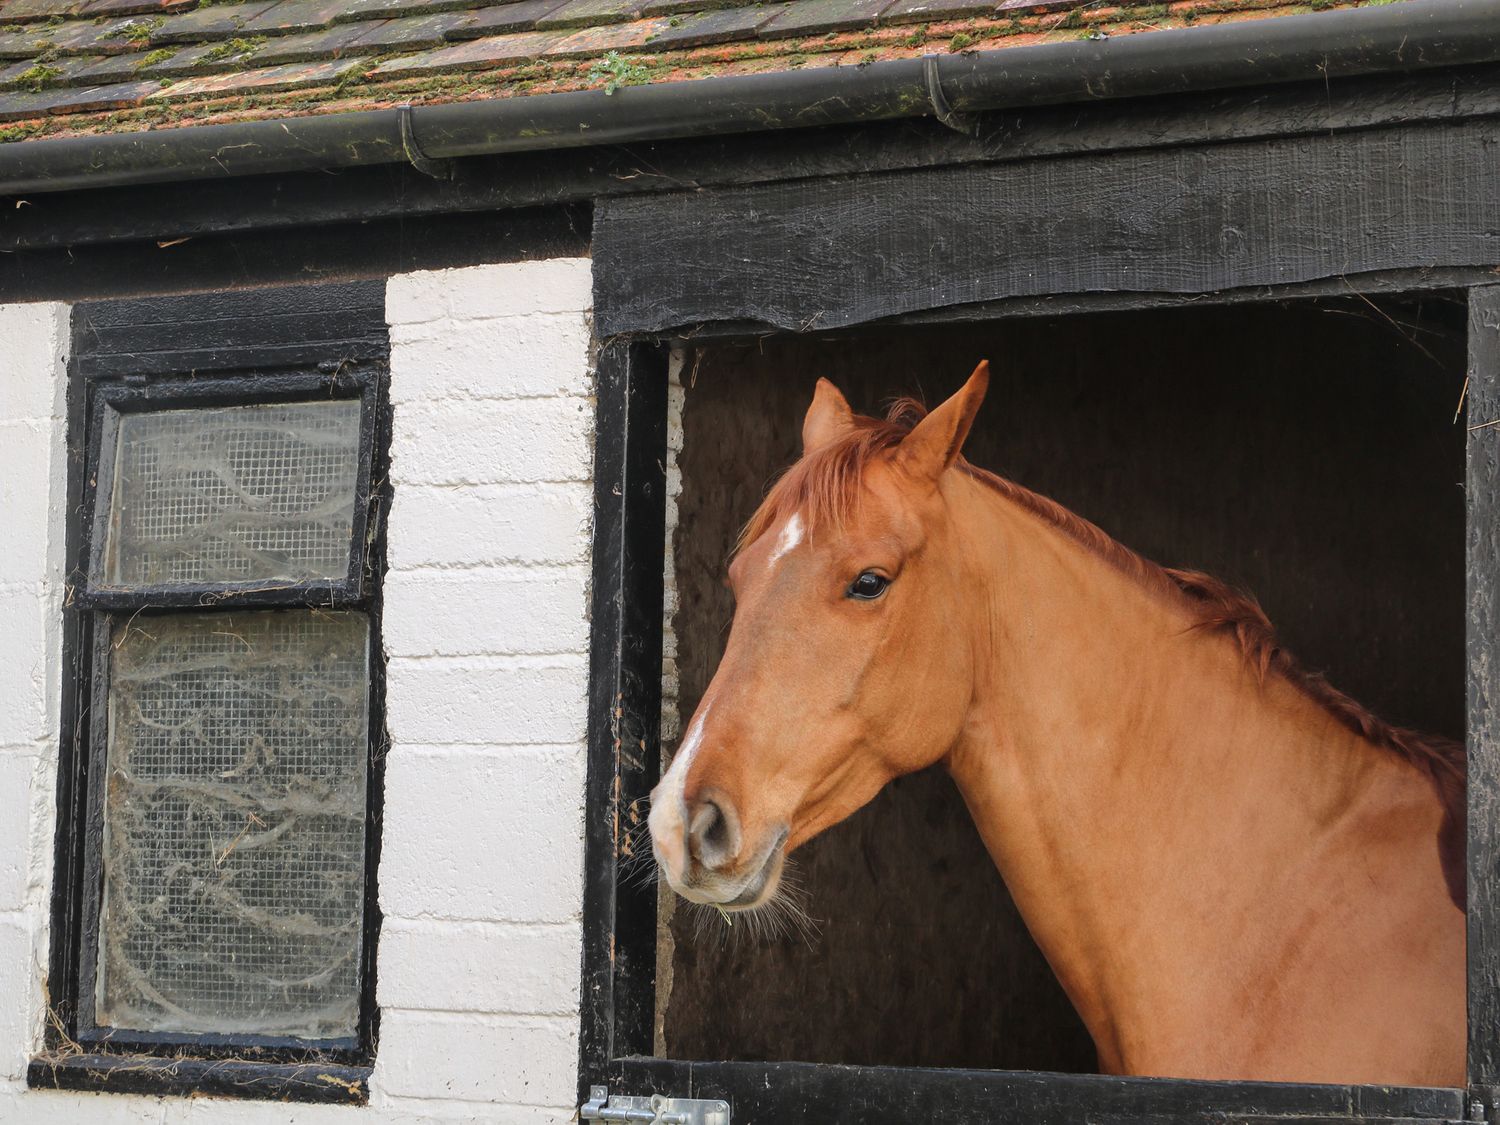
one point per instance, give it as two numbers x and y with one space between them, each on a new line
619 928
775 1093
1484 687
228 1078
1186 220
327 251
123 371
329 325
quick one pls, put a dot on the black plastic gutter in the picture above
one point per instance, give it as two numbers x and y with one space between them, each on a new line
1404 36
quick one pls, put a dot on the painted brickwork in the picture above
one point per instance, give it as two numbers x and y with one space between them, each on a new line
486 635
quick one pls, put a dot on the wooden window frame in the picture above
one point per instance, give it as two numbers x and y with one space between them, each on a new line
616 1034
77 1054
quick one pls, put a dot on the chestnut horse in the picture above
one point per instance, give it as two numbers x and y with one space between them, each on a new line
1235 870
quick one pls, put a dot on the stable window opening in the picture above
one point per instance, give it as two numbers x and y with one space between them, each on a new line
1311 453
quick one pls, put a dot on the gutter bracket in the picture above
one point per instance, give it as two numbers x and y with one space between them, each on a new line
437 169
965 123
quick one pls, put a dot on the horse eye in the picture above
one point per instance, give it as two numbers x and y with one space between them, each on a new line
868 586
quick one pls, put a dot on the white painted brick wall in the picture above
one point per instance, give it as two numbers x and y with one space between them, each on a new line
486 633
33 346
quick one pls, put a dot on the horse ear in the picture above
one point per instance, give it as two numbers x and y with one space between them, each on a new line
827 418
935 443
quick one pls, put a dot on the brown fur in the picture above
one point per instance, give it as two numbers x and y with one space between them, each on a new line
825 485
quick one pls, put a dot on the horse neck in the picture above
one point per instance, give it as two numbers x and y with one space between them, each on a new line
1142 792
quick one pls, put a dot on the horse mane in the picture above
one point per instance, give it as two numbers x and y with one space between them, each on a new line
825 485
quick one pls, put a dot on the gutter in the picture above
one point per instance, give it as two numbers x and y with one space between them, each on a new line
1407 36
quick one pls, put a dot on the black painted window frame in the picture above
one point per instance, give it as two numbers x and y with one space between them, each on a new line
76 1053
619 940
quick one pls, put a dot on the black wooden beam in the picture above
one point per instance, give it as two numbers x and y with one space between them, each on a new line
773 1093
1182 221
225 1078
1483 541
624 739
488 183
329 254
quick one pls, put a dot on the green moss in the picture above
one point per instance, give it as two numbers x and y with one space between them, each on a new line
137 31
36 77
157 57
234 48
959 42
917 37
614 72
12 133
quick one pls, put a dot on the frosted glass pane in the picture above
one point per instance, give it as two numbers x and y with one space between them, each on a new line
231 494
234 824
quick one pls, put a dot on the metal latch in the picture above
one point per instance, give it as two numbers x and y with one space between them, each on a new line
655 1110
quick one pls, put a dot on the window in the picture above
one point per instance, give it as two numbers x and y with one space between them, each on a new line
223 767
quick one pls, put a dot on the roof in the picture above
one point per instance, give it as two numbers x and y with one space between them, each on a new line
77 67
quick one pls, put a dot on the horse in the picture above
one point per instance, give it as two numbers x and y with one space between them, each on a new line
1235 870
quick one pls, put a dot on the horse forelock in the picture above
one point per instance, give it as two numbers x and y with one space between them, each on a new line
824 487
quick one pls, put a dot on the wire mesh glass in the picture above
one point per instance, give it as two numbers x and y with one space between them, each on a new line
231 494
234 824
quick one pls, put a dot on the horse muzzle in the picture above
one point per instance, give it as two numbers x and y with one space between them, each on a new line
702 867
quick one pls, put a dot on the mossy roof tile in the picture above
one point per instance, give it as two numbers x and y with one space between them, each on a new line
68 66
220 21
818 17
407 34
592 13
504 18
707 28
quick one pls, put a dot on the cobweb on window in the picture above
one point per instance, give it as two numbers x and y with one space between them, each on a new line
234 824
236 494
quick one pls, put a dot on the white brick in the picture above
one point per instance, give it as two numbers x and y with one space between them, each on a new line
487 701
18 969
487 967
33 347
487 441
478 292
515 357
58 1107
490 524
551 286
235 1111
520 1061
483 836
471 1113
486 611
16 769
26 450
23 694
388 1111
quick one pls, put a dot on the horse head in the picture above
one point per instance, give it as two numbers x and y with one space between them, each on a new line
845 665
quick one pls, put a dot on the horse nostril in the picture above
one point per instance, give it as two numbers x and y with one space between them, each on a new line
713 834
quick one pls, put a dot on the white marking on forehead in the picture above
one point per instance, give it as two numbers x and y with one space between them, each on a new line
791 536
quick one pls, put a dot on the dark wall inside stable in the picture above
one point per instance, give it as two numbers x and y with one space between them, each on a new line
1307 452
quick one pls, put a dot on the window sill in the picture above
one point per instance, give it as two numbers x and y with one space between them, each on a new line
227 1078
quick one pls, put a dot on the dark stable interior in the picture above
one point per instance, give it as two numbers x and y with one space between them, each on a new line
1307 452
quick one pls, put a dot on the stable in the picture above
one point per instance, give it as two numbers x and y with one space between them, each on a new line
385 385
